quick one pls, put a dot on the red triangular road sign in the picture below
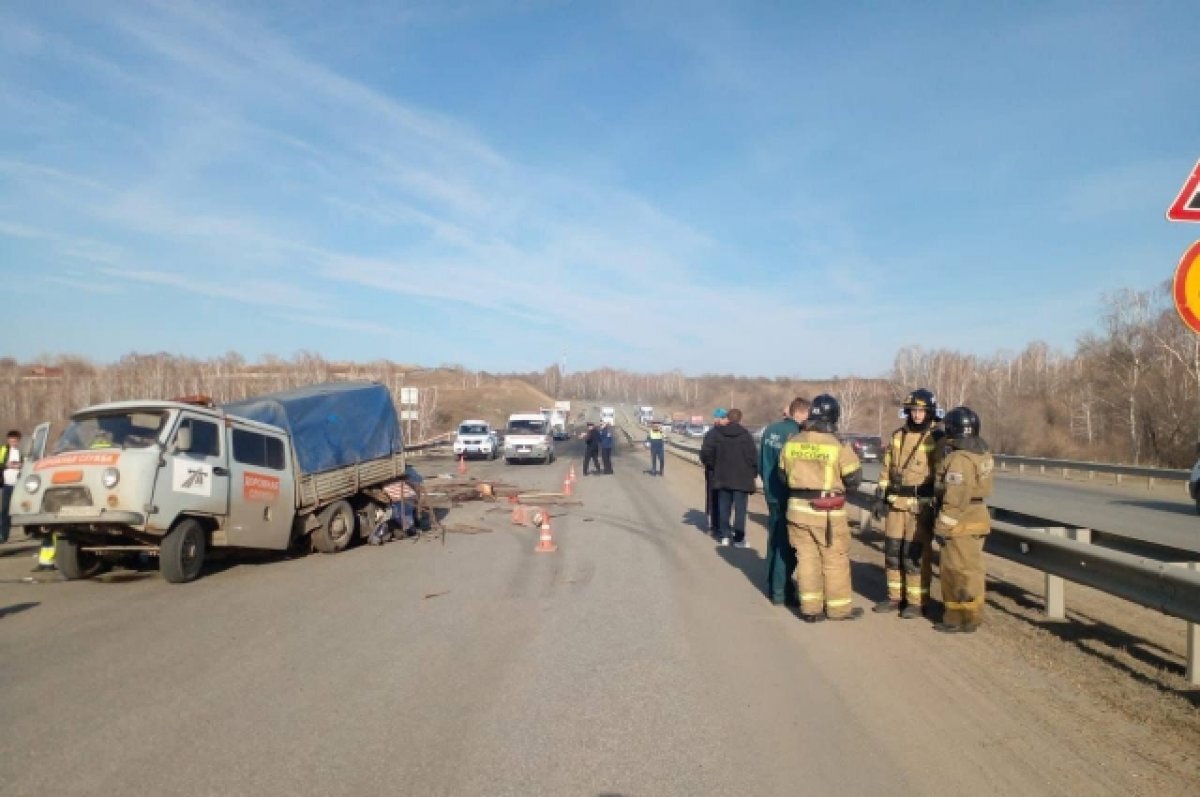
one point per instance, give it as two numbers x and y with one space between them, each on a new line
1186 206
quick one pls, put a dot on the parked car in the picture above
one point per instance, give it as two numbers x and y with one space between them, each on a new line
868 448
1194 485
476 437
695 430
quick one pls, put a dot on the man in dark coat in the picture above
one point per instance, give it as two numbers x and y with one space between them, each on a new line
710 492
591 448
734 458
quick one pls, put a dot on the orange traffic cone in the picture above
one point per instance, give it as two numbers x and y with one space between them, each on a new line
520 515
567 486
571 474
462 463
546 540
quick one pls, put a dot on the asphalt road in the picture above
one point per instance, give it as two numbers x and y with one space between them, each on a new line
637 660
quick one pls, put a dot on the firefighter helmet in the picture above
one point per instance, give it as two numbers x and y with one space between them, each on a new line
962 422
923 398
825 410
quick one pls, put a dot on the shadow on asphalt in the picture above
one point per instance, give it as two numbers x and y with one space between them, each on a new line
749 562
696 518
17 608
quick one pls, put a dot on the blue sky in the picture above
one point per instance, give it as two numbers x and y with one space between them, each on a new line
774 188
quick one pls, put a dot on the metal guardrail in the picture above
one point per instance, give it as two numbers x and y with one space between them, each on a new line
1163 586
1077 466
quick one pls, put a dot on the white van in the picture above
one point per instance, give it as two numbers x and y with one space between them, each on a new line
528 437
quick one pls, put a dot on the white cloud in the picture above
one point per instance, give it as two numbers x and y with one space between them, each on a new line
264 178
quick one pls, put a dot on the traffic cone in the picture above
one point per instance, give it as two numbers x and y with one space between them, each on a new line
462 463
567 486
520 515
546 540
571 474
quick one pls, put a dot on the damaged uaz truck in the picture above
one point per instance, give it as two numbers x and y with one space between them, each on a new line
302 469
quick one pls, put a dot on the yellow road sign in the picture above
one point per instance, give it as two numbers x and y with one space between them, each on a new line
1187 287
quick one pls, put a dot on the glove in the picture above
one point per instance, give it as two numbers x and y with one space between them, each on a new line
880 507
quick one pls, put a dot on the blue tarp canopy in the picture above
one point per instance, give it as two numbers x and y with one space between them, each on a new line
332 425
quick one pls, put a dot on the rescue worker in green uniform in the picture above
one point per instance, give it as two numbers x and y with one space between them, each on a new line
819 469
781 556
964 480
904 501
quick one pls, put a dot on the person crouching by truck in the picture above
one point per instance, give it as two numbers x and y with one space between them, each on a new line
404 495
656 441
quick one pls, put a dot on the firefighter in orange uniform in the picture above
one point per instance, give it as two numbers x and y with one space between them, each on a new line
962 523
904 501
818 470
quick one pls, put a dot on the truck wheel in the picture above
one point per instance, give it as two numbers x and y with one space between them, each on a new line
336 529
181 555
75 564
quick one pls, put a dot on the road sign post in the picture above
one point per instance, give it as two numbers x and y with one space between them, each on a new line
1186 287
1186 206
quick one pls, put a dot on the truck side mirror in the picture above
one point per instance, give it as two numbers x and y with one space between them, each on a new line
183 439
37 443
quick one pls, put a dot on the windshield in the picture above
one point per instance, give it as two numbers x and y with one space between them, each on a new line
527 427
130 429
472 428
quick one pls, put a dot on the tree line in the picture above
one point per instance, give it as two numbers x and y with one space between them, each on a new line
1129 392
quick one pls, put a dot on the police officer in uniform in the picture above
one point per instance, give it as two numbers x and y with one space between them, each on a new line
904 501
819 469
964 480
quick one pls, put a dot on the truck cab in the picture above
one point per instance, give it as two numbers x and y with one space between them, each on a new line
157 476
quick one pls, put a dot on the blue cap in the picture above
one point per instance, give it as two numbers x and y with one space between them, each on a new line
719 412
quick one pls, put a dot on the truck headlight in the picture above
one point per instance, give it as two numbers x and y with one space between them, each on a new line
33 483
110 478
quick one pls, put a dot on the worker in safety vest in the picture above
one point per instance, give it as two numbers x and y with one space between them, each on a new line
964 480
904 501
781 556
819 469
10 461
656 441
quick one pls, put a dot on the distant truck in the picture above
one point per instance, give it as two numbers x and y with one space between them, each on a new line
557 420
645 415
174 479
528 437
608 414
